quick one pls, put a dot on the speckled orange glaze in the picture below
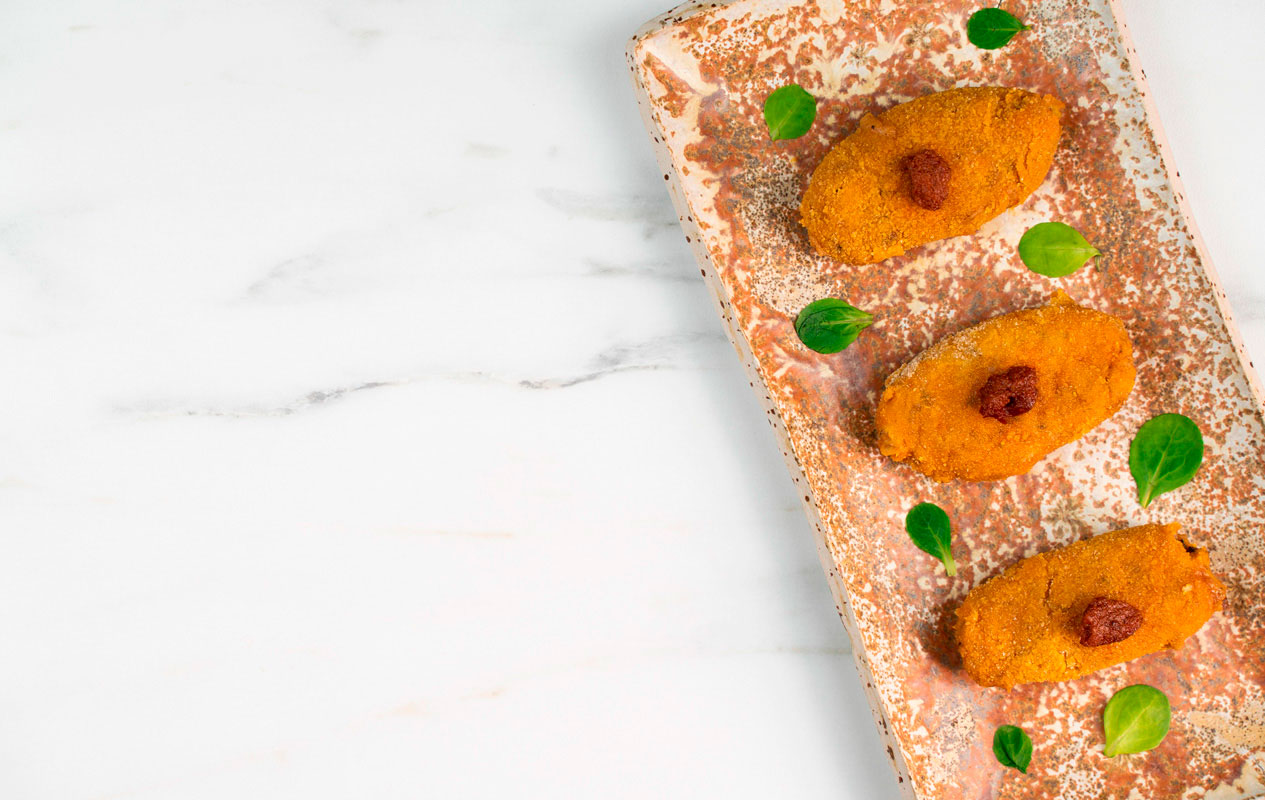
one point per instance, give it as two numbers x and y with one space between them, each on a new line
703 71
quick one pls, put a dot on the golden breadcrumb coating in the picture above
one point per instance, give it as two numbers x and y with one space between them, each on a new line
1023 625
929 414
998 142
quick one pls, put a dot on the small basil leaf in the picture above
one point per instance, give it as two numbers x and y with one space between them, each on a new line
991 28
1012 747
1054 249
928 526
789 112
829 325
1135 719
1165 454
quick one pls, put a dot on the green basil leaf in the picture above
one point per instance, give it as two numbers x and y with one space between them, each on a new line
1135 719
1054 249
991 28
829 325
1165 454
789 112
928 526
1012 747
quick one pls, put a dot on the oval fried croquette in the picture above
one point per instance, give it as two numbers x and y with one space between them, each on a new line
1030 623
974 152
990 401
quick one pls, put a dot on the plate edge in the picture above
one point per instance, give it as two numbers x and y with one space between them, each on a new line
1183 207
634 54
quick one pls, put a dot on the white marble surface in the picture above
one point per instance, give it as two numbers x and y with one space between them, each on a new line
369 434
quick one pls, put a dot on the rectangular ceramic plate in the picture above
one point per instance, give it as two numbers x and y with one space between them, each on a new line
702 72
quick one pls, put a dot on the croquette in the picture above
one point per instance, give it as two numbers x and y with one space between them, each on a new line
1103 601
991 401
935 167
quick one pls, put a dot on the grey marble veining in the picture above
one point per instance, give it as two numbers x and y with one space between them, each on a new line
368 432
